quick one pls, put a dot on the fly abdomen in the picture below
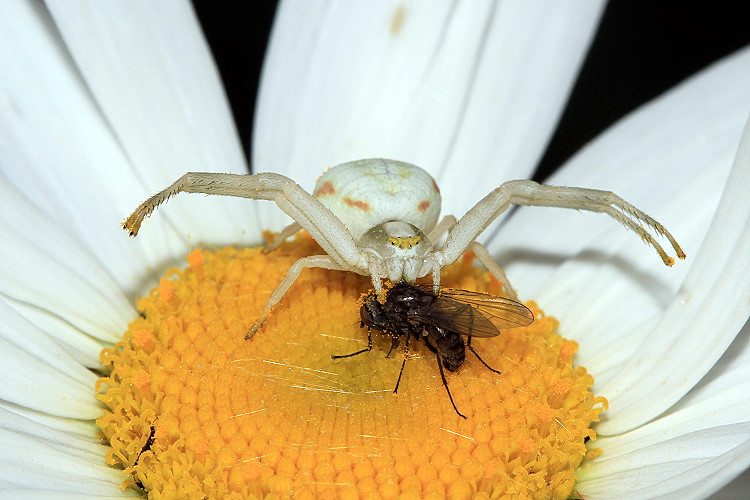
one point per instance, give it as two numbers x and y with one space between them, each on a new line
450 347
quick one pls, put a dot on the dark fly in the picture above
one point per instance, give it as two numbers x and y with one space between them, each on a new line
146 447
440 320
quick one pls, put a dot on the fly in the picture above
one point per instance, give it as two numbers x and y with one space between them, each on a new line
439 319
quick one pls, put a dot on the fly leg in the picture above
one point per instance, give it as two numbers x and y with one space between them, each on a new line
403 363
468 344
394 344
366 349
442 376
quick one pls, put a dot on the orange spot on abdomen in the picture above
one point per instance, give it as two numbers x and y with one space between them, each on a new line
325 190
423 206
357 204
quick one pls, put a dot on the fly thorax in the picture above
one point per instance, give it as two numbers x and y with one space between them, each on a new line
402 246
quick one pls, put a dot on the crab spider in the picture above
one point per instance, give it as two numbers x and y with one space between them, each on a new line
379 217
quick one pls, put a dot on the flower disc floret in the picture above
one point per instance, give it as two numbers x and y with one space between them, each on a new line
195 411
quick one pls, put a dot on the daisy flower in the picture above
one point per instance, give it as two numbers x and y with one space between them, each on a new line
103 104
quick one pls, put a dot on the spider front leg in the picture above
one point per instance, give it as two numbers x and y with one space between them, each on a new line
301 206
306 211
524 192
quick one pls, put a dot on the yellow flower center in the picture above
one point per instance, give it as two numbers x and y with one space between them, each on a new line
195 411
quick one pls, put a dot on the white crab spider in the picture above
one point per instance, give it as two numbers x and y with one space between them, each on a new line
378 218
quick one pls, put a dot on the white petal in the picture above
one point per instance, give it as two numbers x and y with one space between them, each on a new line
151 73
48 461
36 494
736 489
61 287
41 458
63 147
54 437
671 159
693 465
721 399
152 76
58 150
727 375
702 320
651 158
39 375
453 87
86 430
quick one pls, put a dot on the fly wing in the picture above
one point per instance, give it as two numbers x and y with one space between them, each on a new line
454 316
474 314
504 312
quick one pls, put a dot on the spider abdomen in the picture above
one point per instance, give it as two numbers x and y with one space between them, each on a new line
366 193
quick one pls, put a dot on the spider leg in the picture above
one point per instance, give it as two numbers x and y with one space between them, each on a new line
468 344
301 206
445 226
487 261
524 192
441 228
324 261
374 268
285 233
436 264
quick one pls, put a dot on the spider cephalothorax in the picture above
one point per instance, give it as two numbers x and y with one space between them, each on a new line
379 218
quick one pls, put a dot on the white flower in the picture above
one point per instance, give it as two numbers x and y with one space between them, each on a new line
103 104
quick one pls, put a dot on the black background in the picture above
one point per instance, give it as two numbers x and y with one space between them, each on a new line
642 48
